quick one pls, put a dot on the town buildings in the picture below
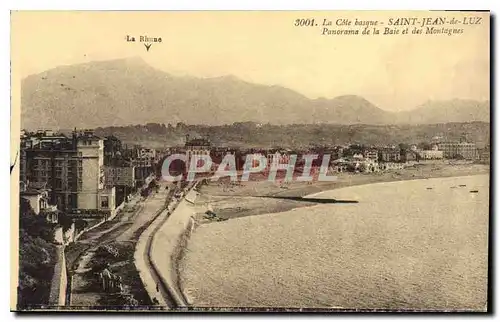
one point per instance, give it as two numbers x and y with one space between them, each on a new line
144 157
277 160
84 175
119 176
390 155
409 156
123 179
197 147
113 151
91 154
143 160
432 154
485 155
38 197
53 161
461 150
71 168
371 154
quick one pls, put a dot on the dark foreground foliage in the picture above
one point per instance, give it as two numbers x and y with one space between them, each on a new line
37 257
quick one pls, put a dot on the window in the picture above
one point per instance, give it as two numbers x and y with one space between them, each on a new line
104 202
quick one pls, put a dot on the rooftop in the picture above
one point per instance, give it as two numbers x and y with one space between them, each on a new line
198 142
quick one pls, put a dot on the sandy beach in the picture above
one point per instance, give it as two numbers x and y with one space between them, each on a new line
249 198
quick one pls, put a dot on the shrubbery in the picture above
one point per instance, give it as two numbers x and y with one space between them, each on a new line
37 257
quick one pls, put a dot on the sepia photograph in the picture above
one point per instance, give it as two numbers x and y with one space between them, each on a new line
250 161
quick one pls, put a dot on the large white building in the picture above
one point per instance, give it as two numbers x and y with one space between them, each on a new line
196 148
94 197
39 201
91 150
431 154
145 157
452 150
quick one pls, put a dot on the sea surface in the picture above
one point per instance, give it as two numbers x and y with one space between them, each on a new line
420 244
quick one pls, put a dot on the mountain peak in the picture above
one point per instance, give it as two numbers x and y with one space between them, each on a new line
132 61
130 91
135 60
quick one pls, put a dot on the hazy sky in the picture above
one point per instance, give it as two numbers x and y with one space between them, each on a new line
394 72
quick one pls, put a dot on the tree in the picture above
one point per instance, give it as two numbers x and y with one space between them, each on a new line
37 256
80 224
33 224
65 221
404 146
424 146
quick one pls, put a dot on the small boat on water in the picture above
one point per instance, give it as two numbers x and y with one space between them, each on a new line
474 191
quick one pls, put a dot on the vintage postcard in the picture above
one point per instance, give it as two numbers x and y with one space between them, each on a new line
250 161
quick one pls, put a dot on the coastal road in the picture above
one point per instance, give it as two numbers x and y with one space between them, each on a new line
123 230
155 275
159 293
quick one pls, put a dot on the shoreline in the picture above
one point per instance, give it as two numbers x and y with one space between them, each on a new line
235 201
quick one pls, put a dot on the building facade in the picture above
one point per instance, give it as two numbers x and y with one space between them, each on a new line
197 147
53 161
72 169
39 202
119 176
123 179
458 150
91 152
112 150
371 154
431 154
409 156
390 155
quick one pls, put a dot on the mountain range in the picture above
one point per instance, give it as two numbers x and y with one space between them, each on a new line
129 91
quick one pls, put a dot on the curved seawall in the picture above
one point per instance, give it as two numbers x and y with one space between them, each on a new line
167 243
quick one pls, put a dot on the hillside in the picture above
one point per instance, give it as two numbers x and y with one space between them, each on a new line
129 91
296 135
447 111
